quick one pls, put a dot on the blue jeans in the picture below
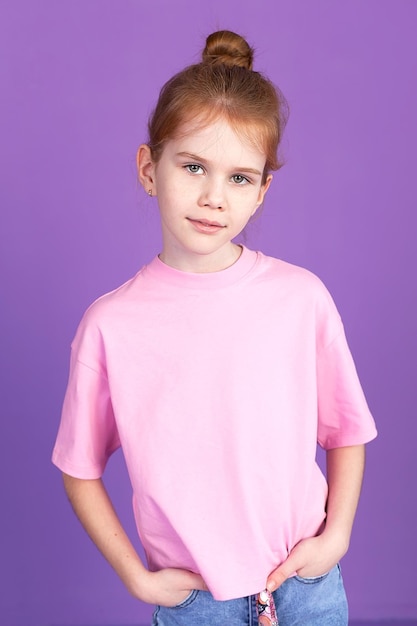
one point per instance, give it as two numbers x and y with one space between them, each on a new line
319 601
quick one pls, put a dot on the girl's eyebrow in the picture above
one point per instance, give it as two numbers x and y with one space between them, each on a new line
195 157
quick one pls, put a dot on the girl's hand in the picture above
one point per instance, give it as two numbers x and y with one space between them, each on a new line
311 557
170 586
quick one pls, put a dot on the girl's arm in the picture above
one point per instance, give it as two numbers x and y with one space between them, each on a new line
95 511
317 555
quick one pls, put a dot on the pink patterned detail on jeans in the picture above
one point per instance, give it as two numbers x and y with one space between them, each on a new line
267 614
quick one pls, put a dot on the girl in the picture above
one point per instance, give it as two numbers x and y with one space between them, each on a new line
217 370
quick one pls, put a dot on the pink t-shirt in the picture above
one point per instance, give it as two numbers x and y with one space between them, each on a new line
218 387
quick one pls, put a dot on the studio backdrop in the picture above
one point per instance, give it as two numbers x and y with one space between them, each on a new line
78 80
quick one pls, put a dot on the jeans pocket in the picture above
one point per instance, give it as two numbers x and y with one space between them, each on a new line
192 596
311 580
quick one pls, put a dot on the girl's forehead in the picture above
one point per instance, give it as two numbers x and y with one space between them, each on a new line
219 134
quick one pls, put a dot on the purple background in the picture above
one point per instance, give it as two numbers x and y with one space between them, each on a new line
78 80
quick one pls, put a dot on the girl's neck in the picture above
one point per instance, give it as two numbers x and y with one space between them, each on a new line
202 263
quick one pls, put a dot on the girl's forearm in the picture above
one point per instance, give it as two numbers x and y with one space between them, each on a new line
345 468
95 511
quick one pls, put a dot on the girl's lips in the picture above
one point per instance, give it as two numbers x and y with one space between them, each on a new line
205 226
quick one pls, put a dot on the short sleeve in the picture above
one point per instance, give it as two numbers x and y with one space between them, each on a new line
87 434
343 413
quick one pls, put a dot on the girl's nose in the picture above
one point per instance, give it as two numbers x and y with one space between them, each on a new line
213 195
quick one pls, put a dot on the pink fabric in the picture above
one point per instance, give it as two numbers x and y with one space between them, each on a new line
189 373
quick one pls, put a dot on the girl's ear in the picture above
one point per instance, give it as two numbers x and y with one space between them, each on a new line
146 169
264 188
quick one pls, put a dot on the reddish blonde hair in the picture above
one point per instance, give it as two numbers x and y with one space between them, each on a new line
222 85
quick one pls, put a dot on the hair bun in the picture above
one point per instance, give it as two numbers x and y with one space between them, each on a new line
225 47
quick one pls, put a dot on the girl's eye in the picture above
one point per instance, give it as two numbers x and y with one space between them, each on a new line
239 179
193 168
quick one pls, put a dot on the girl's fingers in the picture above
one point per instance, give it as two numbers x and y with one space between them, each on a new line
288 568
278 576
200 584
196 582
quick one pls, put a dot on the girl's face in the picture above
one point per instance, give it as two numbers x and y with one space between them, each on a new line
209 183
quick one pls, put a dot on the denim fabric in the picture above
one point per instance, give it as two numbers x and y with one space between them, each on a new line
319 601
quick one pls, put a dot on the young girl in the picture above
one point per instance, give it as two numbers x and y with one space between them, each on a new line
217 370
